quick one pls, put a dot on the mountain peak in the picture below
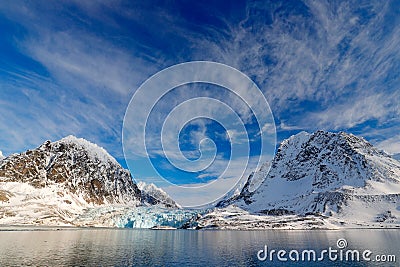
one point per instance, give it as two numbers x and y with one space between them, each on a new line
298 138
154 195
94 151
320 140
322 172
76 165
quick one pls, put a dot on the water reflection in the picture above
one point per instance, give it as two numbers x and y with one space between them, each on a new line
127 247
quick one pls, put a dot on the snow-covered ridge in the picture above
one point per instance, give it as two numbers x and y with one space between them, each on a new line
154 195
1 155
339 176
94 151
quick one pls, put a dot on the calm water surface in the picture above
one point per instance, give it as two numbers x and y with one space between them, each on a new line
130 247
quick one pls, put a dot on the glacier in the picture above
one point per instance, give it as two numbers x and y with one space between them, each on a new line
148 217
139 217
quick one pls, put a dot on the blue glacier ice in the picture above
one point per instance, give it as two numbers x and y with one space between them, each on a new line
148 217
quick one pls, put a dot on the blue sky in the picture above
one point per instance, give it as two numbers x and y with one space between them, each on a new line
71 67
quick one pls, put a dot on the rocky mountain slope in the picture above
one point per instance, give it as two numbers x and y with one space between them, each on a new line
154 195
57 182
78 166
337 176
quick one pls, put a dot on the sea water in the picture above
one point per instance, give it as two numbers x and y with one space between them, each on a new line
131 247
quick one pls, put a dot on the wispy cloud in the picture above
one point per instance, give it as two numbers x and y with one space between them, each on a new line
86 85
318 57
390 145
380 106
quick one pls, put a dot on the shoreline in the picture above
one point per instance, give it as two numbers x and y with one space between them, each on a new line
18 228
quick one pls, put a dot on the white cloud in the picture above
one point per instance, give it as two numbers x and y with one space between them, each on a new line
284 127
391 145
353 112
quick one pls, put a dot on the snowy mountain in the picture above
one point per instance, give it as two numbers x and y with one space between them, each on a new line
337 176
1 156
396 156
57 182
78 166
153 195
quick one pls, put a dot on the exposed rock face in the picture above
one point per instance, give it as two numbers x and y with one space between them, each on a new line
80 167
